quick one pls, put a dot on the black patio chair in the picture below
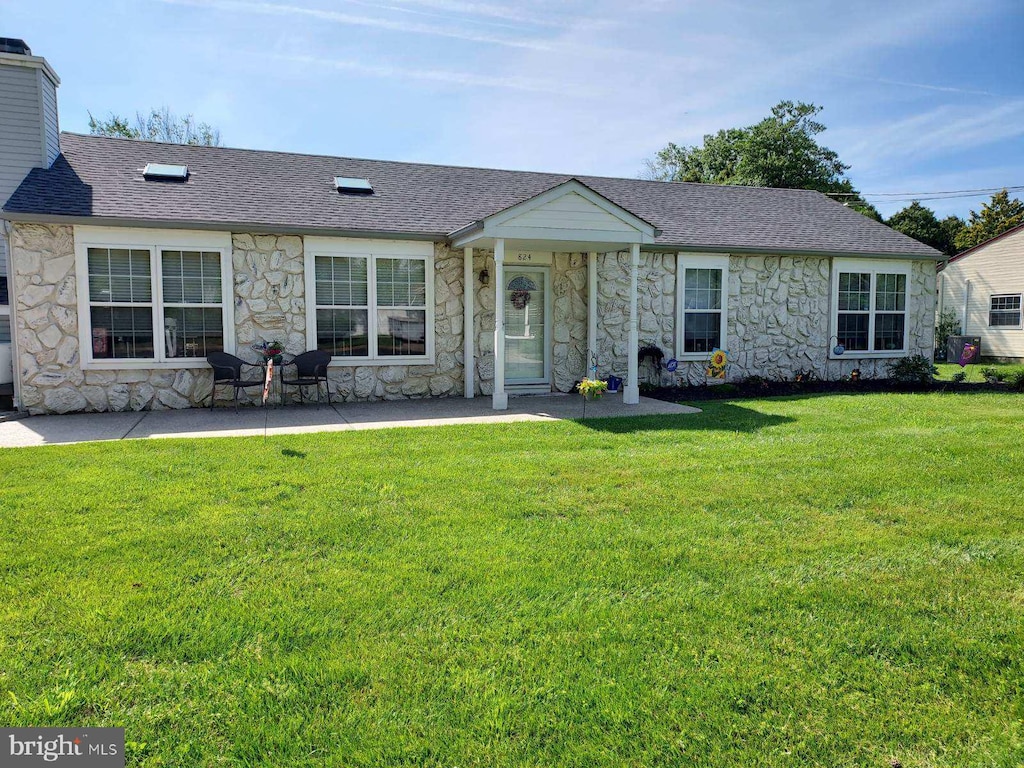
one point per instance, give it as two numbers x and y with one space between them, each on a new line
227 370
310 370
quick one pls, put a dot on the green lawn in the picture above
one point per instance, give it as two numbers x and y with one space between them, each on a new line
825 581
946 370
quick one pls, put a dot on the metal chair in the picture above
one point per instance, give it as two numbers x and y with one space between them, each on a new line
227 369
310 370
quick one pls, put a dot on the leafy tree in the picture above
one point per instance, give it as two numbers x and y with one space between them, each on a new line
779 151
920 223
951 226
997 216
159 125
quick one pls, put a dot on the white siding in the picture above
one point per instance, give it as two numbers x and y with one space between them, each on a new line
21 135
570 211
993 269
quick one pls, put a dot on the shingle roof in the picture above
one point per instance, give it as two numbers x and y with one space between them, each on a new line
101 178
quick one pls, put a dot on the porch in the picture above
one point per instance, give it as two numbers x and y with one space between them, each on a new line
568 218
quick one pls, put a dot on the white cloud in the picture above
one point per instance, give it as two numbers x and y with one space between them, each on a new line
450 77
337 17
939 132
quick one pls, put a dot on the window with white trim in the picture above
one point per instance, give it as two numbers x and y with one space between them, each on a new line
5 309
148 300
192 303
1005 311
870 307
373 299
121 303
702 287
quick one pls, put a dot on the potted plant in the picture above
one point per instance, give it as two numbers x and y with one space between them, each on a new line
592 389
271 350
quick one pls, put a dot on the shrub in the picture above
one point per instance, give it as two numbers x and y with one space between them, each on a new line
755 382
803 377
992 375
960 377
916 369
1016 380
947 326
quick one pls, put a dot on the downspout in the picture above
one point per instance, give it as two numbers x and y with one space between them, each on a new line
967 302
5 232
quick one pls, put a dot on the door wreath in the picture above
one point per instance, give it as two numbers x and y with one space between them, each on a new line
520 299
521 288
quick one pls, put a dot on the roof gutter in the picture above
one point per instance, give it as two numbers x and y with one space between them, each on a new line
436 237
218 226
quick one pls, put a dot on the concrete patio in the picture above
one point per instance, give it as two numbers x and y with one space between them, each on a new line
225 422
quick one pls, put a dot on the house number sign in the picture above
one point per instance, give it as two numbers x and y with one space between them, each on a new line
528 257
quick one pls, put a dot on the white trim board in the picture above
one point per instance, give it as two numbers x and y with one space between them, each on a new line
152 240
370 250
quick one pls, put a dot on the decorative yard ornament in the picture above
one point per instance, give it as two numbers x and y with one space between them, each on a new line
839 349
717 363
671 365
269 378
968 356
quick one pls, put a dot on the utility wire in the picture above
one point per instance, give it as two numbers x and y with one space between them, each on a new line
935 195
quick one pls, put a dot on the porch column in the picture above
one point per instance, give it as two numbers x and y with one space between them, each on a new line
468 361
499 400
591 311
631 394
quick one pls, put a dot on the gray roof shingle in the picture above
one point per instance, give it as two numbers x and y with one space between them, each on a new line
101 178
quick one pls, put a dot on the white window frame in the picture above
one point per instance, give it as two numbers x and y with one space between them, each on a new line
686 261
5 309
154 241
371 250
875 267
1020 312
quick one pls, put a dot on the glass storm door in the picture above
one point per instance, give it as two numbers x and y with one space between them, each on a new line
526 326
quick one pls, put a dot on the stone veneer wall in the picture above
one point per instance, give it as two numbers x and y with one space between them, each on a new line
444 377
269 304
777 324
656 291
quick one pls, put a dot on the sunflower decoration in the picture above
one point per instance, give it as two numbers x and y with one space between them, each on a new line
717 364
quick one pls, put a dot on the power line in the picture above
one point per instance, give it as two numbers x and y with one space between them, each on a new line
934 195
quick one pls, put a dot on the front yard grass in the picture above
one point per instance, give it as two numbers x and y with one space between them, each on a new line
948 370
830 581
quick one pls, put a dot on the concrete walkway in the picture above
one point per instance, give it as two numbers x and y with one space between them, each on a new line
225 422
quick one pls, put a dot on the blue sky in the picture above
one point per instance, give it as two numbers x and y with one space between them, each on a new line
918 96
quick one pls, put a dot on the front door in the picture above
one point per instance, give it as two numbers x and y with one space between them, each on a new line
527 326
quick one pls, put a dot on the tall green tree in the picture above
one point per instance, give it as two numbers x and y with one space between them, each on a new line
159 125
920 223
997 216
779 151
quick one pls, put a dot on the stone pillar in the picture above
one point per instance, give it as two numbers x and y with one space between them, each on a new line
468 360
499 399
631 393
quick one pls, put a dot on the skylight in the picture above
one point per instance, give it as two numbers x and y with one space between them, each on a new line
349 184
164 171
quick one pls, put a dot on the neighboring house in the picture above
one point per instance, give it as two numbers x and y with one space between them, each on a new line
984 287
133 260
